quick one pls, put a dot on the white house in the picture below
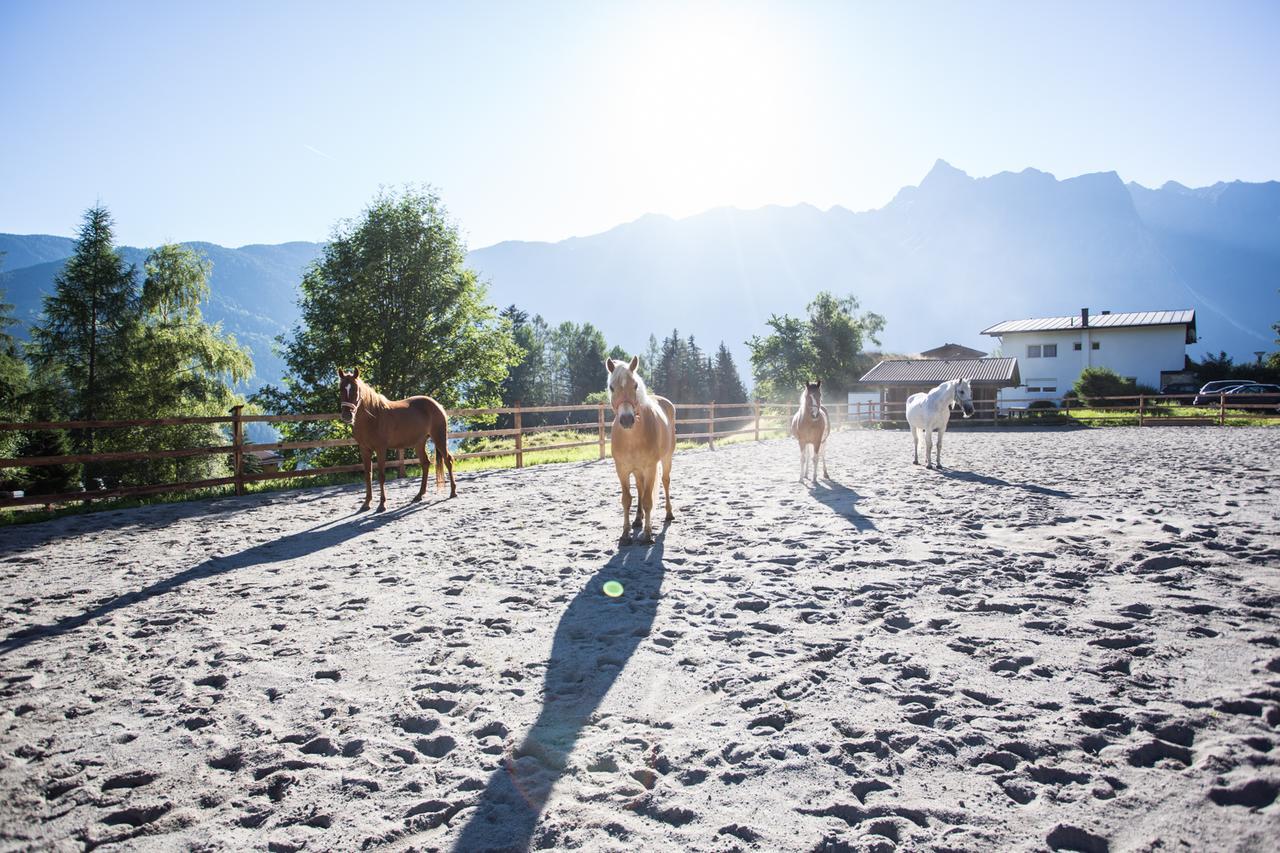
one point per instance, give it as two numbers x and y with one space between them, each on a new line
1052 351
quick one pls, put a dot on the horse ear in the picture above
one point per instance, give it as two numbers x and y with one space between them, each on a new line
355 374
609 365
635 362
341 374
818 384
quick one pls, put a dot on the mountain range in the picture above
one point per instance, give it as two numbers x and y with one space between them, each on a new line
941 261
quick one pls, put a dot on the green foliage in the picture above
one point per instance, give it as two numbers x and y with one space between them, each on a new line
1095 383
47 479
1042 408
392 296
181 366
1221 366
89 322
827 345
13 370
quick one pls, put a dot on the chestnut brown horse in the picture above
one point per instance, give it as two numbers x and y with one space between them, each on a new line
644 435
378 424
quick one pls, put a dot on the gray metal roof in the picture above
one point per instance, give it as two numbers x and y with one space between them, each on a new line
1001 372
1183 317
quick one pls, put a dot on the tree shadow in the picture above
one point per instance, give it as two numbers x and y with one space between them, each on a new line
593 642
842 500
970 477
290 547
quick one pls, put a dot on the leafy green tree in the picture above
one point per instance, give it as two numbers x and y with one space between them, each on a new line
578 354
827 345
391 295
181 364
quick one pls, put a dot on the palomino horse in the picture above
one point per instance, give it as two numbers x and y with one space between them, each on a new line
933 411
378 423
644 434
811 426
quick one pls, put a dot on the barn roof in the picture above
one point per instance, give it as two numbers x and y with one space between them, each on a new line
1183 317
952 351
1000 372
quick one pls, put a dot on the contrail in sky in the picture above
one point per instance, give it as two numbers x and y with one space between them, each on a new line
317 152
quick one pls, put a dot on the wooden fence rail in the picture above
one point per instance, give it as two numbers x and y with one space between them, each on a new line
756 419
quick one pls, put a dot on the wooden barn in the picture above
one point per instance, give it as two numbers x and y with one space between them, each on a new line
898 379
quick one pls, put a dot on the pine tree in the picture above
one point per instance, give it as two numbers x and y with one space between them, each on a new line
726 382
88 325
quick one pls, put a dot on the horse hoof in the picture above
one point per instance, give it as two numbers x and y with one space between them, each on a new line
381 508
363 508
626 539
417 499
670 518
646 539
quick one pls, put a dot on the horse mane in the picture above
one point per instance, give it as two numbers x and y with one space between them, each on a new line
642 390
370 398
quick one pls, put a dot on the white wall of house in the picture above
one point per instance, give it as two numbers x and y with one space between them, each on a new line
1139 353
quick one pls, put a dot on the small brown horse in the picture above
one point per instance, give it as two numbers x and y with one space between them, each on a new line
644 434
811 427
378 423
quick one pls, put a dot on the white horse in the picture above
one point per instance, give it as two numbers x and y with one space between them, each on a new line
811 427
933 411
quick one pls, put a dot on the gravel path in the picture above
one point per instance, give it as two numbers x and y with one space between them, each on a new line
1069 641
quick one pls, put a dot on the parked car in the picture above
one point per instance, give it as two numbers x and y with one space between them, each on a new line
1208 395
1180 388
1254 395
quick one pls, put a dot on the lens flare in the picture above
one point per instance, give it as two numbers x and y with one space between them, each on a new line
613 589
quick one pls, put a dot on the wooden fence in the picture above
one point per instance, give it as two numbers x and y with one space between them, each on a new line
749 419
759 418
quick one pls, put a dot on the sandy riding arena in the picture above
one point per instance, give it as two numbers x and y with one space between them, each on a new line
1068 640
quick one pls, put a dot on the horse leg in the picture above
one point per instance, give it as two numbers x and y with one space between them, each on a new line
366 459
820 452
426 467
915 446
666 486
928 446
644 491
625 479
941 432
804 460
638 522
382 478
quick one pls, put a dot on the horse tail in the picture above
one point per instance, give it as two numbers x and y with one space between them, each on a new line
441 452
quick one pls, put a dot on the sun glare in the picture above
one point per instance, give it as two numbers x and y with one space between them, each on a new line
708 102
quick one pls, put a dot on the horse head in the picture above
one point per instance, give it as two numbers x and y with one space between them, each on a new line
626 390
963 395
812 403
349 394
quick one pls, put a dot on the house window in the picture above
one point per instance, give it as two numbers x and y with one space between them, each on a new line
1033 350
1033 389
1076 346
1049 389
1050 350
1095 345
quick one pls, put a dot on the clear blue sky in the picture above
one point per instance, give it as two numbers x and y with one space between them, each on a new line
265 122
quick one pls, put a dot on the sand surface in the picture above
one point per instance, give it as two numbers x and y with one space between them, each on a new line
1069 641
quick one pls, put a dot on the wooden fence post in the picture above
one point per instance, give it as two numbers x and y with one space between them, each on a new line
237 443
1142 408
1222 409
711 425
519 426
601 427
756 404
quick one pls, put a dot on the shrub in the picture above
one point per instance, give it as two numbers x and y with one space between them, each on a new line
1098 382
1070 399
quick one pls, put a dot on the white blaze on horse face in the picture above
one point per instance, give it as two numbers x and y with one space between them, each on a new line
349 399
965 397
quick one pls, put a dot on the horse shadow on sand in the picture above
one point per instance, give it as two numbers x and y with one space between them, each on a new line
290 547
971 477
593 642
841 500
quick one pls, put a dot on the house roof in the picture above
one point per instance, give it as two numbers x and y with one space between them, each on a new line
1001 372
952 351
1183 317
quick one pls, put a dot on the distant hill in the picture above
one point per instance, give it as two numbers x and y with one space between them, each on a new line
253 290
942 261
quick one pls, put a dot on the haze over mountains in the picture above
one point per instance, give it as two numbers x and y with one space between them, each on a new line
941 261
